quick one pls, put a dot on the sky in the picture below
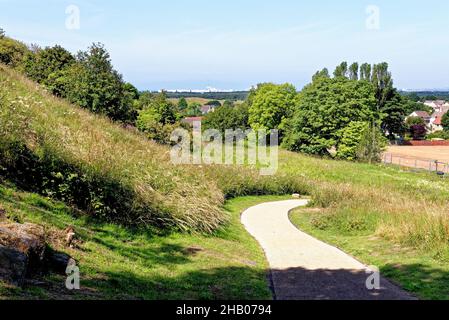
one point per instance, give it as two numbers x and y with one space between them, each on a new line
235 44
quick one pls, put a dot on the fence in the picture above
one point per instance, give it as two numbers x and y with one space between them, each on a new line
417 164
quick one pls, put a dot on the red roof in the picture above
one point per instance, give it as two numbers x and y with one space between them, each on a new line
191 120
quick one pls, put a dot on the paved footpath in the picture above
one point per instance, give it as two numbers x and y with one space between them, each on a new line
304 268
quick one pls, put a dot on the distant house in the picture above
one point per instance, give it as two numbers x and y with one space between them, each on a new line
192 120
438 105
207 109
436 122
421 114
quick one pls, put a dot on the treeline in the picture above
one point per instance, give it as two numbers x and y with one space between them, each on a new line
231 96
422 96
347 115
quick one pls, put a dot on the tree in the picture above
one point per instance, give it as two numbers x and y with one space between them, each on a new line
227 117
92 83
383 83
445 122
214 103
158 119
2 33
393 114
41 64
193 110
365 72
341 70
372 144
354 71
321 74
415 121
361 141
325 107
12 52
350 138
271 105
418 131
182 104
131 90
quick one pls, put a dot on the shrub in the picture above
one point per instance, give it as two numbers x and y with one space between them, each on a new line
43 63
12 52
418 132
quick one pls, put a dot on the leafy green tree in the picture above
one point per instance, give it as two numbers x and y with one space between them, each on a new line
131 91
214 103
41 64
372 144
393 115
325 107
413 121
2 33
341 70
354 71
383 83
365 72
445 122
271 105
12 52
193 110
227 117
319 74
159 118
350 138
92 83
182 104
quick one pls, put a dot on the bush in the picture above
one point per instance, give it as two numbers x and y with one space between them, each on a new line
227 118
444 135
12 52
41 65
351 136
418 132
92 83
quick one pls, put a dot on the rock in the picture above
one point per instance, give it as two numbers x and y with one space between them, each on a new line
22 251
296 196
59 262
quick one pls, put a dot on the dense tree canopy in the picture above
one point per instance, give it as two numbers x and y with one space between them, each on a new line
40 65
92 83
325 107
445 122
227 117
12 51
271 105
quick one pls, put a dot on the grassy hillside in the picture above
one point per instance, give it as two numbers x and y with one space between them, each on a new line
60 150
122 176
118 263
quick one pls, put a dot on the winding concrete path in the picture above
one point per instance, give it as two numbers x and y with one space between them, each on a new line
304 268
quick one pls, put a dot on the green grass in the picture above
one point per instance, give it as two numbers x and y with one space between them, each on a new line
404 207
119 263
414 270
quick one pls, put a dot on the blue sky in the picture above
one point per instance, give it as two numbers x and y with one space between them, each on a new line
177 44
